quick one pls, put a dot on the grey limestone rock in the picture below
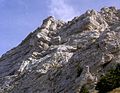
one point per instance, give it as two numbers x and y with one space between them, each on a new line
54 58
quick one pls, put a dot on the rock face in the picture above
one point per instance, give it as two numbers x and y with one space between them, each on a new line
53 58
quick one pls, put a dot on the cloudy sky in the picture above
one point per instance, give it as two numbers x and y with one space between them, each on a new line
19 17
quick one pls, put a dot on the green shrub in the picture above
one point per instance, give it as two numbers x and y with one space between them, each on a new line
110 81
84 89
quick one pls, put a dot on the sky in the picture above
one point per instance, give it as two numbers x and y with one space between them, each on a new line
20 17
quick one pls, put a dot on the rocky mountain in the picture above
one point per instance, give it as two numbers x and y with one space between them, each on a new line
62 57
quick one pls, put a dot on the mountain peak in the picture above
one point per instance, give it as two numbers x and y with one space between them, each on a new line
53 58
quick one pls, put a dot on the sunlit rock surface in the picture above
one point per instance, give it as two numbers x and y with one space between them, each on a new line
53 58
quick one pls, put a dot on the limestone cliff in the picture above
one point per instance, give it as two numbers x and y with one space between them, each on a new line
61 57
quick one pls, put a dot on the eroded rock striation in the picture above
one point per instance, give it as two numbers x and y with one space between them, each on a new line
61 57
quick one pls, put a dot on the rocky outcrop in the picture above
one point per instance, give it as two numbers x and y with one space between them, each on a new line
53 58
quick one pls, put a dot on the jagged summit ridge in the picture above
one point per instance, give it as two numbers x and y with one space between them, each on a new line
53 58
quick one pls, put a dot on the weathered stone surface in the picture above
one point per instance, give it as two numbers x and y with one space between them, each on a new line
61 57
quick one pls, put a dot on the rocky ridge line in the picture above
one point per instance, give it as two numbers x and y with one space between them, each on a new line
61 57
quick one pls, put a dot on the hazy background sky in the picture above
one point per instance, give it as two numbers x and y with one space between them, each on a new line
20 17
